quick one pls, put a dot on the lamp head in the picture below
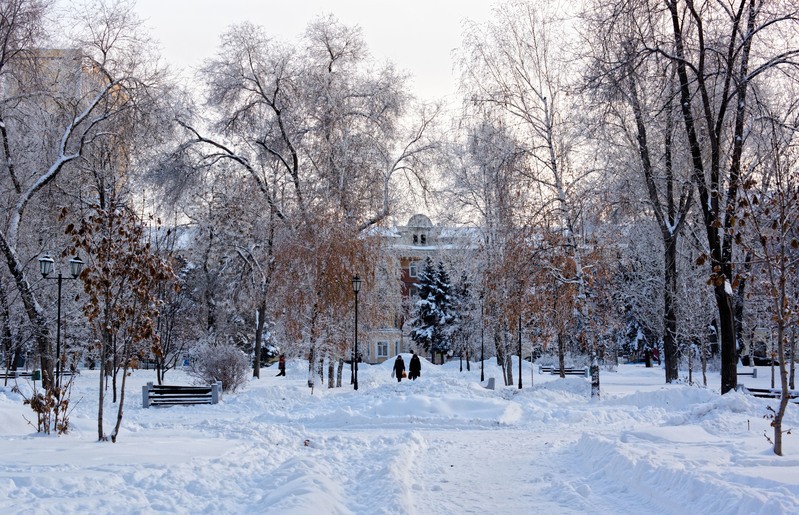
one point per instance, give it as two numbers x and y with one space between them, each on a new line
46 265
75 266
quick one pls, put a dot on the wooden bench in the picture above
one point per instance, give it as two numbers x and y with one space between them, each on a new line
13 374
172 395
768 393
572 371
752 373
550 369
28 374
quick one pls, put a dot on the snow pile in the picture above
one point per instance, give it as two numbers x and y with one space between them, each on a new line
440 444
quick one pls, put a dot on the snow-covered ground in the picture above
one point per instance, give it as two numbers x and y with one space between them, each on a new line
440 445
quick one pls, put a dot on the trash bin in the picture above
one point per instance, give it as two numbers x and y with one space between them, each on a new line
36 375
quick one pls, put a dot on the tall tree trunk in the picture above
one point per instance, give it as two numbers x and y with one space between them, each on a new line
729 356
259 336
710 179
6 337
784 398
669 310
115 433
740 300
670 216
34 312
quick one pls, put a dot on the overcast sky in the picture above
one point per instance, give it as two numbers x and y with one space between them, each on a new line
417 35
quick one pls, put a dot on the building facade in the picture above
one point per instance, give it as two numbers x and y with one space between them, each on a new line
410 245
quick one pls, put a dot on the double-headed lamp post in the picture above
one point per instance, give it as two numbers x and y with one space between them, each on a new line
46 268
356 287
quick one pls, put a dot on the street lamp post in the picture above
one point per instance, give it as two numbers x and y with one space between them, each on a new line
356 287
520 352
482 345
46 267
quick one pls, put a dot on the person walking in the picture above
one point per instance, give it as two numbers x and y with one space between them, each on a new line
415 367
281 365
399 367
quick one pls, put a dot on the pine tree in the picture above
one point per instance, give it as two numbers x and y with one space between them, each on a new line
446 310
426 319
435 315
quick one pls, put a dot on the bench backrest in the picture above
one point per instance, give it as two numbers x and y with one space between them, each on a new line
180 394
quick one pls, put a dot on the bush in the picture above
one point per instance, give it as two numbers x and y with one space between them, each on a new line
224 362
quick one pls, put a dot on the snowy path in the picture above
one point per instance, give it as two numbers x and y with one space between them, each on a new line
514 469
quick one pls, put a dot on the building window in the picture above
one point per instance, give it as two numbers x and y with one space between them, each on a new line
415 239
382 349
424 239
412 270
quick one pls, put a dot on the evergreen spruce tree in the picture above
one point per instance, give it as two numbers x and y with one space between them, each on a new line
434 316
426 321
425 318
446 311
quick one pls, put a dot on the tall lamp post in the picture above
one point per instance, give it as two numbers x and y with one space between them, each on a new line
520 352
356 287
482 346
46 268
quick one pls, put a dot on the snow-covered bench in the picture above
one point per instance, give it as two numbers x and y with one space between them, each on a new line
768 393
28 374
171 395
13 374
752 373
571 371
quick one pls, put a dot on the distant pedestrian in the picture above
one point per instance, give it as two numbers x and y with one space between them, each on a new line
415 367
399 367
281 365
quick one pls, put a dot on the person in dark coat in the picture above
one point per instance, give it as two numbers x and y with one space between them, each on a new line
399 367
415 367
281 365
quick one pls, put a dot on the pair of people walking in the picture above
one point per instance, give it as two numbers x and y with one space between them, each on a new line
414 369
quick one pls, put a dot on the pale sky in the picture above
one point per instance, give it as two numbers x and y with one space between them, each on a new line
418 36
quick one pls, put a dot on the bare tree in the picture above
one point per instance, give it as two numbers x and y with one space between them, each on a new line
639 91
79 95
770 212
120 281
514 68
721 52
325 138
